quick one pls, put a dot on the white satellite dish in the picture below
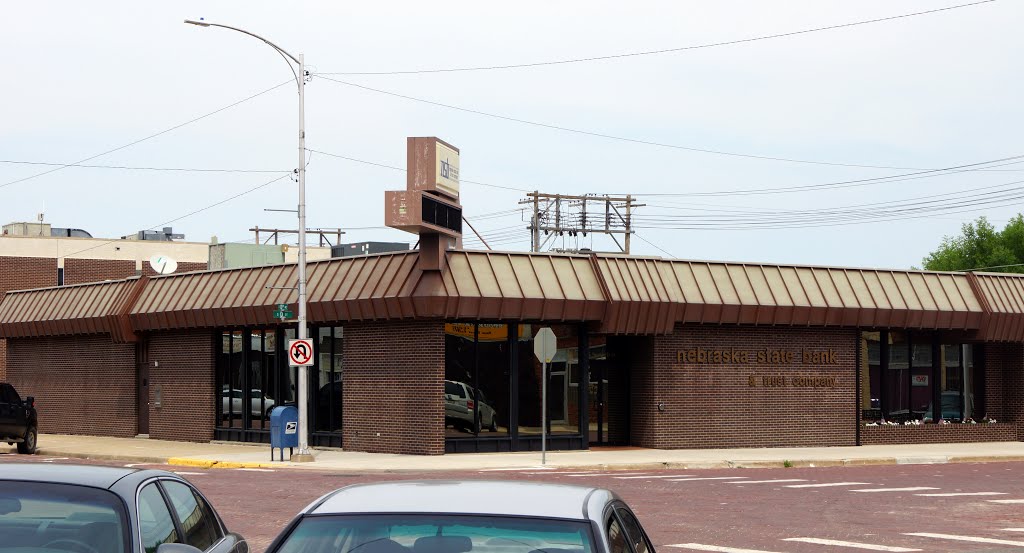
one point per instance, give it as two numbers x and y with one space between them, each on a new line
163 265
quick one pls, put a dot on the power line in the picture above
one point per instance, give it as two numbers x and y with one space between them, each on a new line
655 52
189 214
154 135
655 245
619 138
394 168
132 168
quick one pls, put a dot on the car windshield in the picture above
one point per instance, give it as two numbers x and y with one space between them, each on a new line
60 517
437 534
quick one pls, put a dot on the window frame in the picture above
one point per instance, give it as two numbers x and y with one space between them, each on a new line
158 482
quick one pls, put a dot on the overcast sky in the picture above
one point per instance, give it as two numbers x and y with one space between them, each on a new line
926 92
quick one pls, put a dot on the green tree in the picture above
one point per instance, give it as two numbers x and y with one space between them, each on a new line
981 245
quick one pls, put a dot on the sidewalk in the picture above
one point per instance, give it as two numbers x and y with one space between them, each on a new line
223 455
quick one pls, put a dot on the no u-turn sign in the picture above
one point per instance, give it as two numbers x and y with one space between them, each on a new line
300 353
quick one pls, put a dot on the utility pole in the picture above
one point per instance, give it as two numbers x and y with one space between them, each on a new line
571 216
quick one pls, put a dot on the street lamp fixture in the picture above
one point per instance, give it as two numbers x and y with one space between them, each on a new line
300 81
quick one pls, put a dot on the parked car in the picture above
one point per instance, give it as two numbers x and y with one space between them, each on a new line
18 424
259 404
459 402
458 517
94 509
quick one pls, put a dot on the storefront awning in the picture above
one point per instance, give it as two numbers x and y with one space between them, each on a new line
652 295
1003 298
623 295
97 308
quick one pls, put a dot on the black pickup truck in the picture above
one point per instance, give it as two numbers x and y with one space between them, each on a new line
17 419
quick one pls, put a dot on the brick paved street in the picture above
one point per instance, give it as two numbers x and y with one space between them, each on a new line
712 510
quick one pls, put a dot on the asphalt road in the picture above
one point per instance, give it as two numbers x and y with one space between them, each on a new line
954 507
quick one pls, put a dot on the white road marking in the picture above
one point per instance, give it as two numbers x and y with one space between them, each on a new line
190 473
768 481
614 474
706 478
1006 501
133 465
1013 529
257 470
703 547
958 494
876 490
653 476
966 538
517 469
52 459
829 485
856 545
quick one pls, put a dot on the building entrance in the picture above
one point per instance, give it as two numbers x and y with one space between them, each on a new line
608 417
253 377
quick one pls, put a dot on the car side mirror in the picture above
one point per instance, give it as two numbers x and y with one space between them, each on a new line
176 548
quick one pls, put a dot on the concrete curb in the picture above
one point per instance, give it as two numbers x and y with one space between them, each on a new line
208 463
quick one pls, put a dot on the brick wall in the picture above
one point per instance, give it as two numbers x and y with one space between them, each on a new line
183 267
938 434
393 395
23 273
184 374
1004 384
82 384
79 271
728 404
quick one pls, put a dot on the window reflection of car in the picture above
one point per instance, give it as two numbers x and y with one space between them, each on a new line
950 406
460 401
259 404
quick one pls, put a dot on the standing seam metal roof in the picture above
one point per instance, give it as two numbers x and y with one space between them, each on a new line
622 295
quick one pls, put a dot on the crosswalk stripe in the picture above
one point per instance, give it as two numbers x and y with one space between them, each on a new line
1013 529
1005 501
768 481
967 538
706 478
720 549
958 494
620 477
853 544
829 485
190 473
876 490
616 475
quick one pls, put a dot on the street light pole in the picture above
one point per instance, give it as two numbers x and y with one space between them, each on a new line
300 81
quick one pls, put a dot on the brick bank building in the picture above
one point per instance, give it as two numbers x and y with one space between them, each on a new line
430 351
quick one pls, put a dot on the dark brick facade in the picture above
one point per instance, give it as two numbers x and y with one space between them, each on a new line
1004 384
730 404
938 434
23 273
181 367
82 384
393 395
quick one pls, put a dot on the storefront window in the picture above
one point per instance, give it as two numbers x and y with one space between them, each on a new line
920 375
476 386
898 377
327 381
870 376
952 376
559 417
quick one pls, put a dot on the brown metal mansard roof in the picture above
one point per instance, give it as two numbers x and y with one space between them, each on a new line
621 295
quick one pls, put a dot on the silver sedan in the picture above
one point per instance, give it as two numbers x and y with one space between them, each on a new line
90 509
465 516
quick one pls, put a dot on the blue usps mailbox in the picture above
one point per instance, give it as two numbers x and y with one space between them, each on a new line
284 430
